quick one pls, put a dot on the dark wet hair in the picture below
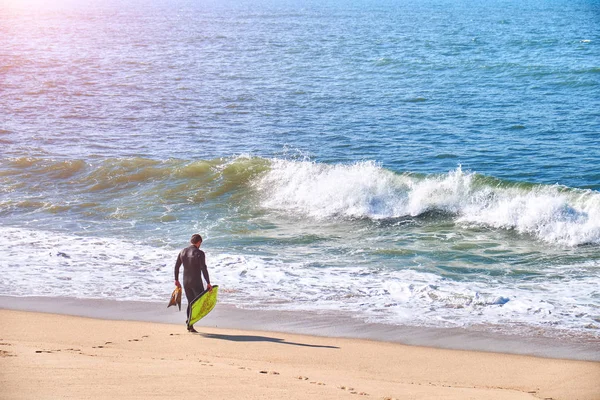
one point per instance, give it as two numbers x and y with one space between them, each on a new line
196 238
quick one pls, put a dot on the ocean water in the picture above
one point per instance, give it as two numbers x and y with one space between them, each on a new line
432 163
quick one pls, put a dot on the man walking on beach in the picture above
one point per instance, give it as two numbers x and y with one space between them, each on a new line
194 266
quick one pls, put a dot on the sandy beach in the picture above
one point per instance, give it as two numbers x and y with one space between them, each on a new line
49 356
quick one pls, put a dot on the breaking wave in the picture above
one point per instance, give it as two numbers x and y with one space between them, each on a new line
551 213
305 189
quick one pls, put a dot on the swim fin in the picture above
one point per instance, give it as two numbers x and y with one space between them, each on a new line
175 298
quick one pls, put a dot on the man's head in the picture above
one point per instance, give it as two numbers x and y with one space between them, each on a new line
196 239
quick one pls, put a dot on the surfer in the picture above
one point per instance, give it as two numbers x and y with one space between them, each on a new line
194 266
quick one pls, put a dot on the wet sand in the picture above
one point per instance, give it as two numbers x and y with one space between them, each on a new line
330 325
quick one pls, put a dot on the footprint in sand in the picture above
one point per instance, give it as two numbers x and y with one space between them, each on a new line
101 346
146 336
302 378
353 391
268 372
4 353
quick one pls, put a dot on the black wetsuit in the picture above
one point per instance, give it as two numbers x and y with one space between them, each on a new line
194 266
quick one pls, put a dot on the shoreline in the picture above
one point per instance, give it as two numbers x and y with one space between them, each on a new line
313 324
74 357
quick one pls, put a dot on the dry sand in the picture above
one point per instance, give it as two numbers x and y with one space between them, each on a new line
47 356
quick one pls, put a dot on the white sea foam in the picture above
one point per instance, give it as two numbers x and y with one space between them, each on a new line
547 212
37 263
413 297
321 190
367 190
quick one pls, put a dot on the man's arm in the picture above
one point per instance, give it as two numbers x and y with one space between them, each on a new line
177 265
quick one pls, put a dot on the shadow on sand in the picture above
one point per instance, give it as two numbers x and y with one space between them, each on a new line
251 338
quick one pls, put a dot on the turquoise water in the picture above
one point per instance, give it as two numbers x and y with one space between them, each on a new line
430 163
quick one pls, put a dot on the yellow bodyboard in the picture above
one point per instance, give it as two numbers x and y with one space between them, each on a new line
202 305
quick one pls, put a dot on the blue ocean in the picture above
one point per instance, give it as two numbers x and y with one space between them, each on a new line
429 163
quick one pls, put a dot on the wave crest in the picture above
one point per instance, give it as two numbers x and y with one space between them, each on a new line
363 190
367 190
